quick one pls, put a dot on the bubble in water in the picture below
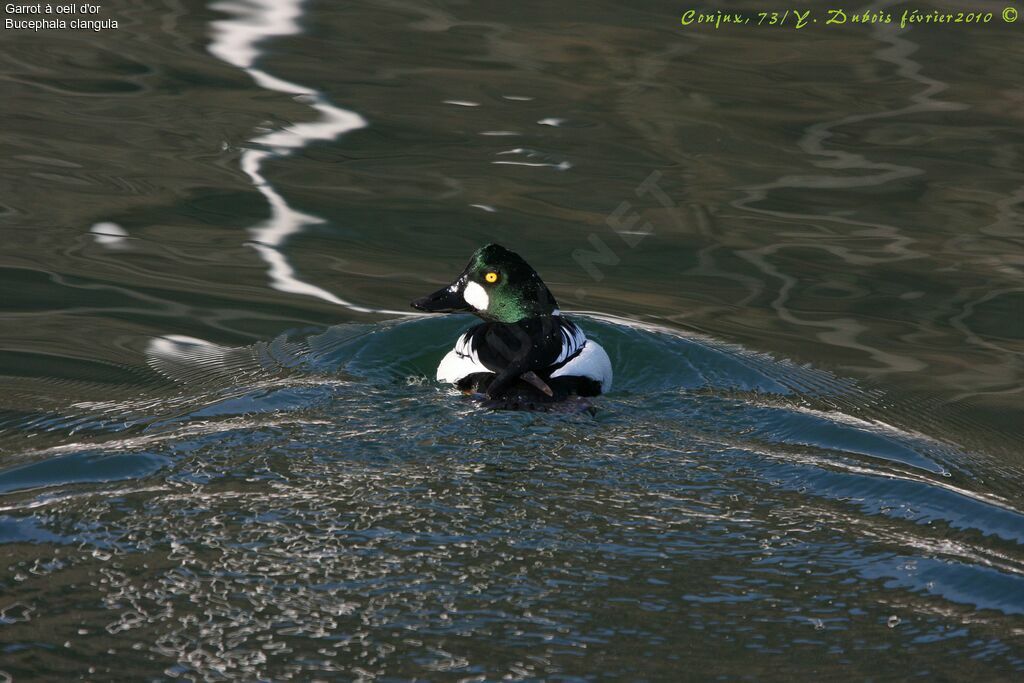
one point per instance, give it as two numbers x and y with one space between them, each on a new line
893 622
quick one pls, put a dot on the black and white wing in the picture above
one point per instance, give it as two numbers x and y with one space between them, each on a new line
461 361
582 357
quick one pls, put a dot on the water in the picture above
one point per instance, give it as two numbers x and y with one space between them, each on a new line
221 452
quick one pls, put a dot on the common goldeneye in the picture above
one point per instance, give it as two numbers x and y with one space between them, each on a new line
525 352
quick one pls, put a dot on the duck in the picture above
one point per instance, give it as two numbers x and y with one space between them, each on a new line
525 354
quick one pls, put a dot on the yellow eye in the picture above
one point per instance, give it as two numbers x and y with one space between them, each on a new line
491 277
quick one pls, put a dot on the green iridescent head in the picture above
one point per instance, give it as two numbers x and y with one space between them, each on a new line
497 285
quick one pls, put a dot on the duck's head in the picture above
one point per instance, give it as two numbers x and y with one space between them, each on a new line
497 285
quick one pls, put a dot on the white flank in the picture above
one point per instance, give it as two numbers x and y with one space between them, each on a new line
460 361
476 297
592 362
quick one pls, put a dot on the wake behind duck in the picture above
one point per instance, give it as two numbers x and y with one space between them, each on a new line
525 355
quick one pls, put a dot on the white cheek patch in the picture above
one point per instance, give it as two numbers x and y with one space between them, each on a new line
476 297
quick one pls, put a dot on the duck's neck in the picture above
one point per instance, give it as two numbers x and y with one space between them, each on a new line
535 302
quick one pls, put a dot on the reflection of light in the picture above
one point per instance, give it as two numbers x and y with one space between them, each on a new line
109 234
848 332
532 154
560 166
236 41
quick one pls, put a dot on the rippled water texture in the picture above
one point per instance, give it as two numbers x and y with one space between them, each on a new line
222 453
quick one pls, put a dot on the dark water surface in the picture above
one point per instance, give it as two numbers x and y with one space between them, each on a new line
222 452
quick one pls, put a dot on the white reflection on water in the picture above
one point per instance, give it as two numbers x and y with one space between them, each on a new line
236 41
109 234
892 243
